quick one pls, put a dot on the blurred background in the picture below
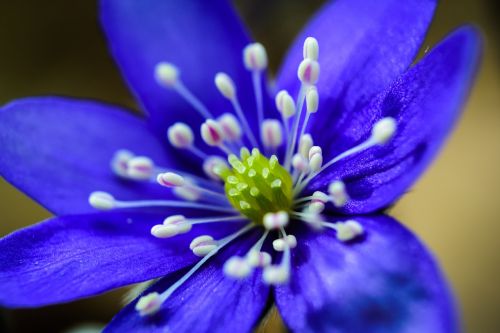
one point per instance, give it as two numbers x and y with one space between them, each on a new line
56 47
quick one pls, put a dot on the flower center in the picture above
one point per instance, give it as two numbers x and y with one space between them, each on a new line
256 185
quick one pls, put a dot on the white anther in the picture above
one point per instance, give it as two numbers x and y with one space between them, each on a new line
255 57
258 258
230 127
305 144
180 135
271 133
149 304
312 218
348 230
203 245
275 220
285 104
308 71
338 193
225 85
172 226
319 196
281 244
211 164
102 200
166 74
311 48
187 193
299 163
237 267
315 162
383 130
314 150
212 133
276 274
312 99
316 207
119 162
140 168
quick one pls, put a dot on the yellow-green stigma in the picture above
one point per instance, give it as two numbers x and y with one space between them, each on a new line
257 185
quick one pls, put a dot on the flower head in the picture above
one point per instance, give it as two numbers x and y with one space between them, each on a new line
226 195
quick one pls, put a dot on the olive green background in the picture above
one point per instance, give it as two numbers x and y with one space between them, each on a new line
56 47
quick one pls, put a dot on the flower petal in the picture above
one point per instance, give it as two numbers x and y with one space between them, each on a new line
58 151
200 37
426 102
364 46
207 302
70 257
385 282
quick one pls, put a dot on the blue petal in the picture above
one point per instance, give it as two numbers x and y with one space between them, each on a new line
426 102
70 257
207 302
58 151
200 37
385 282
364 46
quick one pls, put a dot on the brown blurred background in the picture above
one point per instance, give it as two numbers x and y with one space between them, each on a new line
56 47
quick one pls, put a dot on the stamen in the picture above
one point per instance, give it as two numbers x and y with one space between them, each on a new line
230 127
167 75
212 134
275 220
172 226
227 88
279 274
203 245
105 201
237 267
170 179
305 144
382 132
281 243
102 200
140 168
286 106
271 134
312 101
181 136
311 48
346 231
308 72
257 258
211 164
315 159
255 59
338 193
157 300
300 164
119 162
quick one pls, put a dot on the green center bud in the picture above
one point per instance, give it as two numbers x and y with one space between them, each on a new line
257 185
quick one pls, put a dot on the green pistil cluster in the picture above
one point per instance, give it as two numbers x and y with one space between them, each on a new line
257 185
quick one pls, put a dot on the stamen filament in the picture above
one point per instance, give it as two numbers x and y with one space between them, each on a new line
244 122
295 127
192 100
197 152
171 203
257 87
216 219
223 242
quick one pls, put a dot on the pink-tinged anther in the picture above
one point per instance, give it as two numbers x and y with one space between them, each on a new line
211 164
119 162
271 133
311 48
319 196
230 127
305 144
149 304
170 179
308 72
211 133
140 168
300 164
180 135
316 207
255 57
276 220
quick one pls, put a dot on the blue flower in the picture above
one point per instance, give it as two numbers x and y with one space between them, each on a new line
296 217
